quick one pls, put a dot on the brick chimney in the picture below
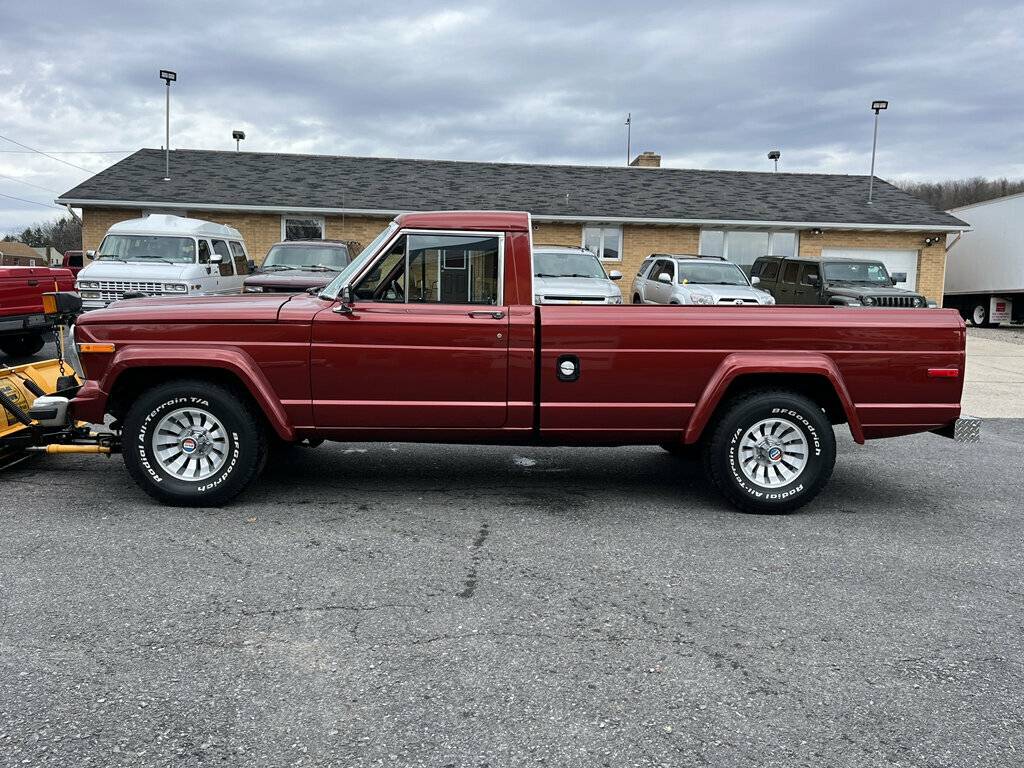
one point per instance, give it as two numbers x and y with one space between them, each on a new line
647 160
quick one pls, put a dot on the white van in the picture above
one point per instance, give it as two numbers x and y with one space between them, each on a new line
163 255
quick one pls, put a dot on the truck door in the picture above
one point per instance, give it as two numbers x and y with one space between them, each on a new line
808 289
426 343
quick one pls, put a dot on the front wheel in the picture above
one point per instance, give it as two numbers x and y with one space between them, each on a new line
192 443
771 452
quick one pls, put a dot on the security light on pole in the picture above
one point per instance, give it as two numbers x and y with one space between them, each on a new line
774 156
168 77
238 136
629 132
877 105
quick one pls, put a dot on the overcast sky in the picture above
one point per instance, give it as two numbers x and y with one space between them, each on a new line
709 85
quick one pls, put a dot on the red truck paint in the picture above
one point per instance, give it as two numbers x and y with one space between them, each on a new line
21 302
432 373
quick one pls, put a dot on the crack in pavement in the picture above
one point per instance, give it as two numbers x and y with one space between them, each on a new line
471 578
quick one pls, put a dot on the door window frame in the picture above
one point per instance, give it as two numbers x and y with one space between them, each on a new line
399 233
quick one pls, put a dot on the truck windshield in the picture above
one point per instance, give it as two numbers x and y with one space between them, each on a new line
853 272
335 286
711 273
333 257
174 250
562 264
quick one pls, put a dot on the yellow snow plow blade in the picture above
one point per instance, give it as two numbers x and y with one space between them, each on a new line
22 385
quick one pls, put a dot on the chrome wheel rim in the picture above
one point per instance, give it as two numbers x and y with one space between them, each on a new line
773 453
190 444
979 315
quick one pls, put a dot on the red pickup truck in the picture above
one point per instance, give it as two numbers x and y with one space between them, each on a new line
22 322
432 334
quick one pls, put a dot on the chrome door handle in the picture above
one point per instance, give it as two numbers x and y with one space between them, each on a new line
487 313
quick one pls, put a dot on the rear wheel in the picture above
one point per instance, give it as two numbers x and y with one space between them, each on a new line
22 345
192 443
771 452
979 316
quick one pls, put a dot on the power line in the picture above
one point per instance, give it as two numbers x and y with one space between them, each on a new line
38 152
31 202
67 151
29 183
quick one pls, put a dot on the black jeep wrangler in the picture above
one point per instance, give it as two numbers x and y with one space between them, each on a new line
843 282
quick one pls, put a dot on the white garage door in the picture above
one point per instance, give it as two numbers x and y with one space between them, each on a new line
895 261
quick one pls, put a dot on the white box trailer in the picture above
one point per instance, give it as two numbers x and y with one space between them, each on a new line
985 265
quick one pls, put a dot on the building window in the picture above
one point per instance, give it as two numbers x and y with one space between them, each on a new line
742 246
302 228
605 242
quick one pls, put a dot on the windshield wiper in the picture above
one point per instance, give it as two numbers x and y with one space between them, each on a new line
320 268
268 267
111 258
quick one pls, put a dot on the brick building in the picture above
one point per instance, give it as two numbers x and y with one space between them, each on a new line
622 213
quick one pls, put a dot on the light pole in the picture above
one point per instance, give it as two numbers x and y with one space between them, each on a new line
238 136
878 106
168 77
629 131
774 156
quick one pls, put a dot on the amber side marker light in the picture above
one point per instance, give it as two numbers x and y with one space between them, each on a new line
943 373
88 347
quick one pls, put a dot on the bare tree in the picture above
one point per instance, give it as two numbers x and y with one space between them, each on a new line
956 192
63 234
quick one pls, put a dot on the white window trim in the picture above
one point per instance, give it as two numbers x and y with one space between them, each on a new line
771 237
602 227
321 219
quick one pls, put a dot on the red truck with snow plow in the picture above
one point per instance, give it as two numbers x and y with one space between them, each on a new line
432 334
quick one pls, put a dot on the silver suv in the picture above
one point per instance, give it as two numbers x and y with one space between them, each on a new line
563 275
666 278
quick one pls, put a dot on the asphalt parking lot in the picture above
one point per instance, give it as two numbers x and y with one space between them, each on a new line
483 606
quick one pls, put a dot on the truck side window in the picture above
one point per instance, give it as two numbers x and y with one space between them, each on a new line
221 249
204 252
770 270
809 269
790 272
240 258
386 280
453 269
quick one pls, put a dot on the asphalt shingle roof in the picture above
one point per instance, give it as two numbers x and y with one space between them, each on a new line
384 184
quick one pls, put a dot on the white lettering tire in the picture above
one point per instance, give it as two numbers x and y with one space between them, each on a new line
221 443
770 452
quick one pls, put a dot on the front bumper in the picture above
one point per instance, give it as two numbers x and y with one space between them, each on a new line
966 429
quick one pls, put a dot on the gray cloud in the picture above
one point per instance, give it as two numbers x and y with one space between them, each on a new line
710 85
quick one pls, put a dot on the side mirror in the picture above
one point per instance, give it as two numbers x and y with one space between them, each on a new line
90 255
252 265
898 277
216 258
812 279
344 302
615 275
665 277
755 280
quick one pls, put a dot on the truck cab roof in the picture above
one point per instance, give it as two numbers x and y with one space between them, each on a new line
495 221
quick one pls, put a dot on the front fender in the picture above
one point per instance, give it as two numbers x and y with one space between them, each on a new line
231 359
745 363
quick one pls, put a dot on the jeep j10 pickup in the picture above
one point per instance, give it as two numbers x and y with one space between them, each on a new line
433 334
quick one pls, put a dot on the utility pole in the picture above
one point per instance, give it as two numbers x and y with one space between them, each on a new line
629 131
168 77
878 106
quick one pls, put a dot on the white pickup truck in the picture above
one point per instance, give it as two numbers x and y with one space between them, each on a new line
163 255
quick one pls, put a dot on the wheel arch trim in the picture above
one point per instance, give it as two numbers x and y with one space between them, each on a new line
230 359
740 364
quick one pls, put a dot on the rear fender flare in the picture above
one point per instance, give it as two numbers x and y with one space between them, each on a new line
230 359
743 363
